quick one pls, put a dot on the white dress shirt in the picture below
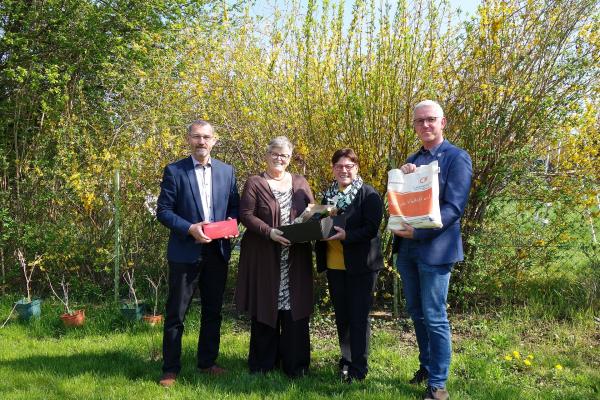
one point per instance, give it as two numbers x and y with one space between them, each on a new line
204 179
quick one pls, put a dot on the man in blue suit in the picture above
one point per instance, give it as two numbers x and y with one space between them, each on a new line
426 256
195 191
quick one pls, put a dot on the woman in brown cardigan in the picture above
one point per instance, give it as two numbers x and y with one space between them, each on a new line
275 280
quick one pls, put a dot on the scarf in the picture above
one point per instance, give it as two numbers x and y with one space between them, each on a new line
341 200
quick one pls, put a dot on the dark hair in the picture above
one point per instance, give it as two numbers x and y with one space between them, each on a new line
347 153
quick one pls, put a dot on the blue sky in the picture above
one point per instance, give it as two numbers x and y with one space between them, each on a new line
467 6
265 7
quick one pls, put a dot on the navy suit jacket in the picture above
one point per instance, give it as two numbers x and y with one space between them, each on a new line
179 206
444 245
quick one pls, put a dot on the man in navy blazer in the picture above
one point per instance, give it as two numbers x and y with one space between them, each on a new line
195 191
426 256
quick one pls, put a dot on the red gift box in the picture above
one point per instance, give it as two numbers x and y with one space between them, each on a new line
218 230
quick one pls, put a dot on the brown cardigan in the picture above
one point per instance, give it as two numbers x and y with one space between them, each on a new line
257 287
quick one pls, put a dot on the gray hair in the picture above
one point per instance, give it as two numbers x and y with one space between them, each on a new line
201 123
431 103
281 142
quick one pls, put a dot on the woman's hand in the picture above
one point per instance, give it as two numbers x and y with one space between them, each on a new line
277 236
340 235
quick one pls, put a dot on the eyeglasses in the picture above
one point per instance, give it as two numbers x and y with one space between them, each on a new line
421 121
347 167
206 138
275 156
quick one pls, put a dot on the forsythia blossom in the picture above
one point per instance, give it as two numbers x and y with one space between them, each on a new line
150 204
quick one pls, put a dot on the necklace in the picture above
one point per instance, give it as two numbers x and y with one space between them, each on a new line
276 179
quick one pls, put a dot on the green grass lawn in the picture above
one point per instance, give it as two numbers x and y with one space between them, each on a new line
112 359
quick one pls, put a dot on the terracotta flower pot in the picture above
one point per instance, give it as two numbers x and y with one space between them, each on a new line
153 320
77 318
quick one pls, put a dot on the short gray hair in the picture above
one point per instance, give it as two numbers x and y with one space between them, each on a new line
201 123
430 103
280 141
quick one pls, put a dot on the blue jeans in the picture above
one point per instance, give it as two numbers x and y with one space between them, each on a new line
426 291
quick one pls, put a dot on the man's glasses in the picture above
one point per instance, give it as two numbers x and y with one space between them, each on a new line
347 167
275 156
421 121
197 138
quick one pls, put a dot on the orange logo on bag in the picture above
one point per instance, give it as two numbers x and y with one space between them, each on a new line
410 204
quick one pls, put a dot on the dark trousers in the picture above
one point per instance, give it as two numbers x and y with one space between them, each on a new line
209 274
288 345
352 298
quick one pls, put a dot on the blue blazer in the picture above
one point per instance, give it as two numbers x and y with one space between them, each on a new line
444 245
179 206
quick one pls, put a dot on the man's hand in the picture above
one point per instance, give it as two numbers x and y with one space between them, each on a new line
277 236
408 168
340 235
230 236
408 232
198 233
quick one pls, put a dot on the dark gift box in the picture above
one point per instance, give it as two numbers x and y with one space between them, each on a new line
313 229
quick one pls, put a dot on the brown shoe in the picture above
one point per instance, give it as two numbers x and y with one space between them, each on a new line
167 379
214 370
436 394
420 376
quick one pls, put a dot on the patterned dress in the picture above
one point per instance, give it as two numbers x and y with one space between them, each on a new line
285 204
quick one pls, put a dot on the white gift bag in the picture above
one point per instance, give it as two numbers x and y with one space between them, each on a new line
414 198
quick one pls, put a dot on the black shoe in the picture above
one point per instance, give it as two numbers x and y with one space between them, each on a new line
420 376
300 373
436 394
343 363
345 375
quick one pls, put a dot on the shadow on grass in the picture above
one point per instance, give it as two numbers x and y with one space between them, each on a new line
117 365
321 382
103 364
